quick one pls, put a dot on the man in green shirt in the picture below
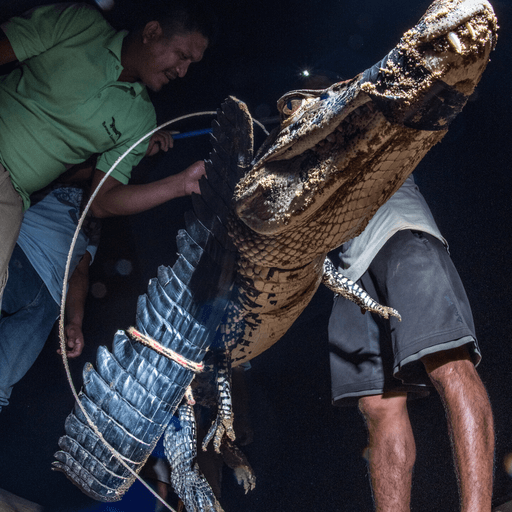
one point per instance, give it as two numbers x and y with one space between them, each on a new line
81 90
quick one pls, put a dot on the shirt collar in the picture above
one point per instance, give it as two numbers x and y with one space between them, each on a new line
114 46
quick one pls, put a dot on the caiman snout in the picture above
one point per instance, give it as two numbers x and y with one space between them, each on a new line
443 17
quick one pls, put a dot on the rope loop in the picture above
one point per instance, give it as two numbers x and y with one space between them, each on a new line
164 351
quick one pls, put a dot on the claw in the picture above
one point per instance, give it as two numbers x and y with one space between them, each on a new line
189 396
223 425
245 478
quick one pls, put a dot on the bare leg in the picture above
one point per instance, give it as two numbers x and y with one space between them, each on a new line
392 450
470 424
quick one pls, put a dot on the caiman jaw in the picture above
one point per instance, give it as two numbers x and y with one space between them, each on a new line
276 188
285 187
447 51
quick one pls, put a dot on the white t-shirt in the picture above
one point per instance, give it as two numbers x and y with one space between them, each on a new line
406 209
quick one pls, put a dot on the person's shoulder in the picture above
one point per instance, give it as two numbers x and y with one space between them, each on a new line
74 17
62 18
62 9
71 7
44 27
82 25
78 12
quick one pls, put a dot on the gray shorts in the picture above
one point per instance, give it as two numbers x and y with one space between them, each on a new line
369 355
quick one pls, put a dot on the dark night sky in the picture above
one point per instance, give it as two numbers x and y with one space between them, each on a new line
306 453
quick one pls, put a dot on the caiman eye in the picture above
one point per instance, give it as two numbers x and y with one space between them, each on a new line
292 105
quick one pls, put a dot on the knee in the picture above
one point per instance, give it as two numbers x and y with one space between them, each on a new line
458 382
383 408
391 439
450 367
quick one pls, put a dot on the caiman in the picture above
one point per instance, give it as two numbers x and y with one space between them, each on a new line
254 250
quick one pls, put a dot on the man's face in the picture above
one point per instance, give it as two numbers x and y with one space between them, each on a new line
166 59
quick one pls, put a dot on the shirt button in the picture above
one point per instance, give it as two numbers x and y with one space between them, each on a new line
117 67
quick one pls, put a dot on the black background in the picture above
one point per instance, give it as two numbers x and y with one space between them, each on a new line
307 454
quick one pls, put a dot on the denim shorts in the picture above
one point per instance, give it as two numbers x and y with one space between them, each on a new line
369 355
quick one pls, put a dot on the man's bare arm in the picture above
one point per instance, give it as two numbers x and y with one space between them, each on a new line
114 198
75 305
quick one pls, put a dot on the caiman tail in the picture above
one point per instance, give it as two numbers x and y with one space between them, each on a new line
134 391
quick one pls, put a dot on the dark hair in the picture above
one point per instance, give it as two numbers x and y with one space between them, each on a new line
178 17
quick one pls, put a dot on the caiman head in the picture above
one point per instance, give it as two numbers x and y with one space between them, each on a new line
331 141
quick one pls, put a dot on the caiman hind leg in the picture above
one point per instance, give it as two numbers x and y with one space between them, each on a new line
223 423
186 477
232 329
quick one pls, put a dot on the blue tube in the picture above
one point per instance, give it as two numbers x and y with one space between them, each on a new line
205 131
193 133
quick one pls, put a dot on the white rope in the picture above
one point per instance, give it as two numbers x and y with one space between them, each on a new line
117 455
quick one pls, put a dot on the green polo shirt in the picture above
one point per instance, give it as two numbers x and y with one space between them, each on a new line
64 102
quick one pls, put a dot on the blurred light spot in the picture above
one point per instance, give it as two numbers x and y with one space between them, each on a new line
507 463
124 267
98 290
305 73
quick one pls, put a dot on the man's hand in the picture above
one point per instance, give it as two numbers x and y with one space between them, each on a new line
74 340
191 177
160 141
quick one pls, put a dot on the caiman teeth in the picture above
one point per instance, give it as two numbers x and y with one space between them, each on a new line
471 30
454 41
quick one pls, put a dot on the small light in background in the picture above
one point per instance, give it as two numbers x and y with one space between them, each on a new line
305 73
98 290
124 267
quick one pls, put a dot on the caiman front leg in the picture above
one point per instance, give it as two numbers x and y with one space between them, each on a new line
343 286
